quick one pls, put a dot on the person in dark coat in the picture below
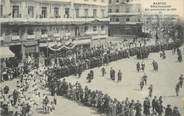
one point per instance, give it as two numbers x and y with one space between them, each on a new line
143 66
145 78
168 111
155 65
111 71
15 96
180 59
112 74
89 78
146 106
6 89
177 89
164 55
141 84
138 108
103 71
119 75
181 80
138 66
150 88
154 103
91 74
176 112
160 109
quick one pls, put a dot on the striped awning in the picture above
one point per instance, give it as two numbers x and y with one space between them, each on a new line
5 52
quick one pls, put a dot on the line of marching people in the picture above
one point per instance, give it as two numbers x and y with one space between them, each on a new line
96 57
103 103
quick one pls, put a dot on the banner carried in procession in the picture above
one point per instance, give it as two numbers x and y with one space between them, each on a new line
59 46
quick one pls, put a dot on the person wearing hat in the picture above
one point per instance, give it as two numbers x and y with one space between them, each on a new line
168 111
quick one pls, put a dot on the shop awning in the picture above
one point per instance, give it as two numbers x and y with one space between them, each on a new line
6 53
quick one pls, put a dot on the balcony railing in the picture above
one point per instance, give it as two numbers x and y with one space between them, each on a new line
30 36
15 37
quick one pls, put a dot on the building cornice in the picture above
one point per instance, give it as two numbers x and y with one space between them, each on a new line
124 13
46 21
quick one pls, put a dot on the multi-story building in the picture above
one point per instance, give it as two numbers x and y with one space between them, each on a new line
125 17
27 26
153 21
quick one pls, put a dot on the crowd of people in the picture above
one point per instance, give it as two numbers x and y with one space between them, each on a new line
103 103
10 73
25 97
97 56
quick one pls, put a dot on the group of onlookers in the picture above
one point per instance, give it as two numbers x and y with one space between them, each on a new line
103 103
25 97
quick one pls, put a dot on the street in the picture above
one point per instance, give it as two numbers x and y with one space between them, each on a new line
164 82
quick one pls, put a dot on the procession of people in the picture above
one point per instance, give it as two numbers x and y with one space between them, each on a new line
103 103
27 97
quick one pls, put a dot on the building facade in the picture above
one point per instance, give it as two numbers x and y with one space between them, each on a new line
29 25
155 21
159 23
125 17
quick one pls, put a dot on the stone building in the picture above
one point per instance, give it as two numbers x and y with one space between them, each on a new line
125 18
27 26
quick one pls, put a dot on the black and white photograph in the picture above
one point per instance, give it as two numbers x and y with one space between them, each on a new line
91 57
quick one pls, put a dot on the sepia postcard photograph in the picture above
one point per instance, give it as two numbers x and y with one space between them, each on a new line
91 57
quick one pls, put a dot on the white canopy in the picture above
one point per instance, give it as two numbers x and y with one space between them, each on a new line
6 53
82 42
